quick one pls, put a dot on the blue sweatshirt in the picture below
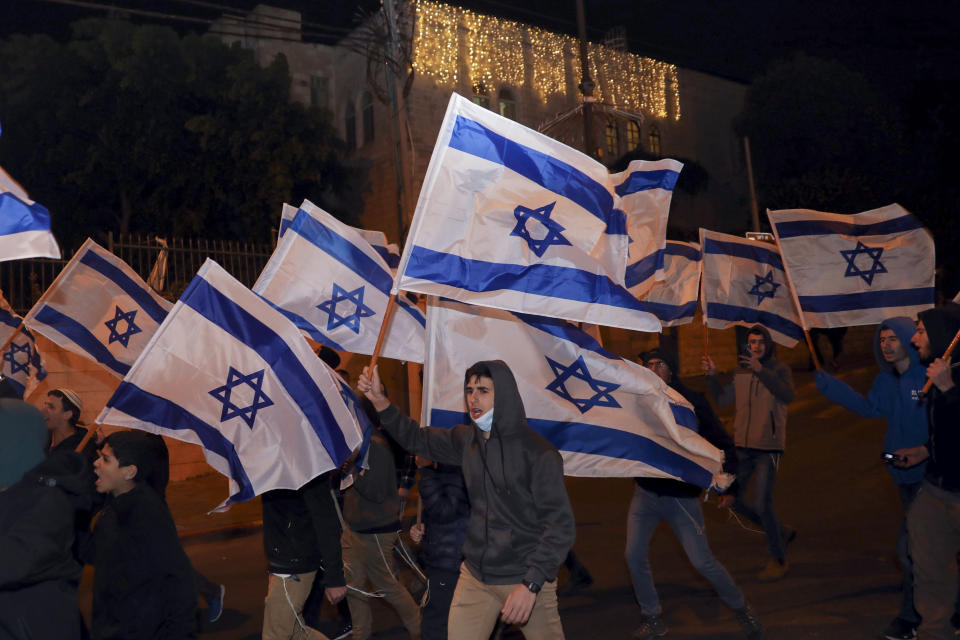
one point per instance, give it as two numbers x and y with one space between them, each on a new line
892 396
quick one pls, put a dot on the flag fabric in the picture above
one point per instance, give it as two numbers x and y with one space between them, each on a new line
24 224
744 284
646 189
377 239
856 269
157 279
512 219
228 372
607 416
335 287
22 365
99 308
674 300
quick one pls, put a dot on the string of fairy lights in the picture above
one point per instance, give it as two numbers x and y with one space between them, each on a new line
449 41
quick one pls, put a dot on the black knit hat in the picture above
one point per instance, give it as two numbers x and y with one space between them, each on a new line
666 354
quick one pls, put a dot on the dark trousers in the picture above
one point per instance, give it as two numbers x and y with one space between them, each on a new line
435 613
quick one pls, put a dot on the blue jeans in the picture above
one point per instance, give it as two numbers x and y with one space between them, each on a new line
763 466
685 518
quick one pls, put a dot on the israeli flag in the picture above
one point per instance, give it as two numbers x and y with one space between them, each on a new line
512 219
608 417
646 189
21 365
24 224
331 283
99 308
229 373
389 251
744 284
674 300
856 269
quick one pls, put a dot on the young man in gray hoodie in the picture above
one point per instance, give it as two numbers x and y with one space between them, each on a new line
521 524
762 388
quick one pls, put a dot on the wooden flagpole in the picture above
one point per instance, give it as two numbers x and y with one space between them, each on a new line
387 317
946 356
92 431
793 296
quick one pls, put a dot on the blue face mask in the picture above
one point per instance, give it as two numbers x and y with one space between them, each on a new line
485 422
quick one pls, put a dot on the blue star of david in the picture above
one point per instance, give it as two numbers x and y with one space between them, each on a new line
578 369
11 357
352 320
231 410
541 215
761 293
132 329
850 255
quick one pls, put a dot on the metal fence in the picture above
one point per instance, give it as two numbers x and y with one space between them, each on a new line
24 281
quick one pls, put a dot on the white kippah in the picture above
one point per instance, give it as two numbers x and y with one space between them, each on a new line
72 397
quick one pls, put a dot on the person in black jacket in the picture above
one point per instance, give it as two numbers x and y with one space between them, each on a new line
521 523
143 582
446 512
38 570
678 503
933 521
301 536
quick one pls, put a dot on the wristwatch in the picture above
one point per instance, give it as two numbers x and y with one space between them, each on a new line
531 586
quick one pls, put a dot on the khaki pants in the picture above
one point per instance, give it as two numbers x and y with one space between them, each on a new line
366 557
476 608
283 607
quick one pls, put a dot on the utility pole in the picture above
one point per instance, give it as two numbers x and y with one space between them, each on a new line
754 209
398 138
587 85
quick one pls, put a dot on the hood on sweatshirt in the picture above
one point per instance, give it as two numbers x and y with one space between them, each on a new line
767 340
904 328
941 324
509 416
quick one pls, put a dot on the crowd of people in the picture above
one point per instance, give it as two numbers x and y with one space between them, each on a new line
496 523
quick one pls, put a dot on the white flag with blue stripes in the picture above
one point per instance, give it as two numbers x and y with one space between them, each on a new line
607 416
24 224
228 372
99 308
857 269
512 219
22 365
674 300
326 278
646 189
744 284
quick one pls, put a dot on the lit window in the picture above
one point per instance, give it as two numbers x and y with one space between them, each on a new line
508 106
481 96
366 108
350 126
654 140
633 135
613 138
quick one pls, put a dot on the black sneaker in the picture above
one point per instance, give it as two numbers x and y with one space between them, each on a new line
650 627
215 608
747 617
900 629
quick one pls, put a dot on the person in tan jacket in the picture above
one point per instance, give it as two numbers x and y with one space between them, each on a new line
762 388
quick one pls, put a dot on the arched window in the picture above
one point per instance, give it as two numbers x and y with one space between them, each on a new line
366 109
508 106
655 140
350 126
612 138
481 96
633 135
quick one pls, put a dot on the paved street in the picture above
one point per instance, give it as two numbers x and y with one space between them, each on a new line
832 487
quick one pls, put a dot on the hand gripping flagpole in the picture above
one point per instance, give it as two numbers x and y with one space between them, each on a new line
793 295
946 356
387 317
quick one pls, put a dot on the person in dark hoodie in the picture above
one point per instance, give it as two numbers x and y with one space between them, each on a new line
895 395
143 582
933 521
521 523
678 503
762 388
38 498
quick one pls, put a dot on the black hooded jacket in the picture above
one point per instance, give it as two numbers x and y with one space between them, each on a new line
943 468
38 570
521 524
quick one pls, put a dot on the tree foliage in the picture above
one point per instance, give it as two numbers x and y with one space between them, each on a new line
136 129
